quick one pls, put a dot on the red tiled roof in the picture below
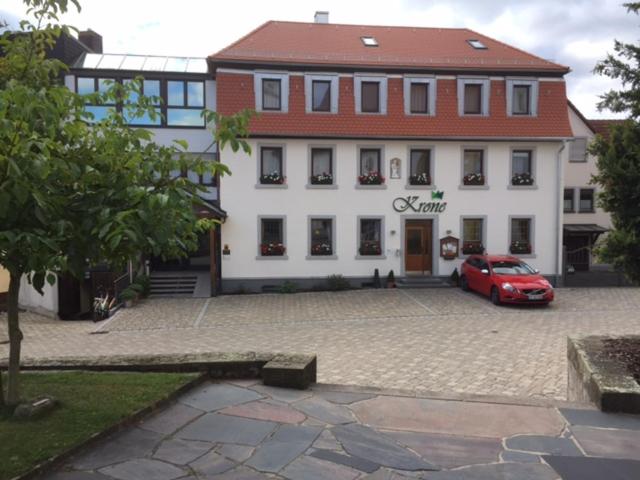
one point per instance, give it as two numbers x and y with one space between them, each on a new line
235 92
295 43
602 126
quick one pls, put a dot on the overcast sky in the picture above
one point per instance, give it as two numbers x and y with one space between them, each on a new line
576 33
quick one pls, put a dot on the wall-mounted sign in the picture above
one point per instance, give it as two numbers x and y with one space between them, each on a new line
449 247
395 165
411 203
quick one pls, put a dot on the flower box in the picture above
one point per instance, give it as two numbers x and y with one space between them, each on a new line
272 249
272 179
322 179
420 179
522 179
370 248
473 179
371 178
471 248
520 248
321 249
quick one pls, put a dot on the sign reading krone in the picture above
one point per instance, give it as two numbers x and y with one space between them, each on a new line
410 203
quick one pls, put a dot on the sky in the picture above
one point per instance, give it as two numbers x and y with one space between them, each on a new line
576 33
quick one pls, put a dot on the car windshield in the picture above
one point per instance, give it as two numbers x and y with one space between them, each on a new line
510 267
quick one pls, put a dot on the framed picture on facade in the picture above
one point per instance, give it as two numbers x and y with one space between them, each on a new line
395 165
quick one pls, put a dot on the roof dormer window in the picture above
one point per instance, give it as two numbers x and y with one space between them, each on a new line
477 44
369 41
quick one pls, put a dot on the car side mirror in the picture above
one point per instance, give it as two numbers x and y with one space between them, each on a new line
484 271
535 270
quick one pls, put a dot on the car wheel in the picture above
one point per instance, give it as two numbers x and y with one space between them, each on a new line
464 284
495 296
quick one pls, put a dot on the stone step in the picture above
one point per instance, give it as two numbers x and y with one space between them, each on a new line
422 282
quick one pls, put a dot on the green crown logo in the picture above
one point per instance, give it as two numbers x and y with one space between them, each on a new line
437 195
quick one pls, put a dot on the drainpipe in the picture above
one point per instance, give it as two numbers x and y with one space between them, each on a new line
559 209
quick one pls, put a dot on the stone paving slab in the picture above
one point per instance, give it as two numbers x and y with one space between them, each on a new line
584 468
439 340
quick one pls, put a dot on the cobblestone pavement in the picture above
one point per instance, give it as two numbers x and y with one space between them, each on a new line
244 430
424 340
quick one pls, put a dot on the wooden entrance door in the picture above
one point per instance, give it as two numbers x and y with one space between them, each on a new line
418 247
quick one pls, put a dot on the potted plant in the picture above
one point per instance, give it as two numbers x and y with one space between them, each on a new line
371 178
520 247
128 296
322 179
370 248
273 178
145 282
391 280
272 249
321 249
420 179
473 179
520 179
471 248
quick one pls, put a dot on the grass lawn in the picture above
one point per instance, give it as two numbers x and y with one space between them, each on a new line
89 403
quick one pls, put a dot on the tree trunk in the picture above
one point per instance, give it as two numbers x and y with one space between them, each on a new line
15 339
1 392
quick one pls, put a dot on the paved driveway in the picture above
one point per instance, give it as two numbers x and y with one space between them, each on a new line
438 340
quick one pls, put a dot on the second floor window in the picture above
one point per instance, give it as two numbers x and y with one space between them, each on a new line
370 167
586 200
370 97
521 100
522 96
89 85
419 97
472 99
185 103
420 167
578 150
568 201
473 167
271 166
150 88
321 166
271 94
321 96
522 168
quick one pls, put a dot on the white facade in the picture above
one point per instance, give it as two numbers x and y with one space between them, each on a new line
246 201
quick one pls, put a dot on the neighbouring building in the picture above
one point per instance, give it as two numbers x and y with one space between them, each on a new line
380 147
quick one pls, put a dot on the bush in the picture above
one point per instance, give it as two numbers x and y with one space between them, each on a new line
128 294
145 282
337 282
288 287
136 287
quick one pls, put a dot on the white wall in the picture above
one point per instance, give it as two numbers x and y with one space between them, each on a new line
244 203
31 300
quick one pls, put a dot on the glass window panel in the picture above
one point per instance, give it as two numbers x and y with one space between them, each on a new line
133 96
414 241
370 234
419 98
99 113
155 64
175 93
370 97
473 161
183 117
520 230
176 64
321 95
521 160
86 85
197 65
90 60
369 161
111 62
568 200
586 200
472 230
104 84
195 94
151 88
144 119
321 236
272 230
473 98
321 161
420 160
271 160
521 99
132 62
578 150
270 94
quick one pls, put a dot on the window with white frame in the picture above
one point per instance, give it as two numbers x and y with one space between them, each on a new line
321 166
271 166
272 237
522 168
578 150
271 91
473 96
370 235
472 236
321 237
371 94
473 167
420 166
521 236
522 97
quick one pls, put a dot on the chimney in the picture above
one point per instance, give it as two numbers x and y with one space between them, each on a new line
321 17
92 40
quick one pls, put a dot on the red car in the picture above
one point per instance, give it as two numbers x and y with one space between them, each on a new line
505 279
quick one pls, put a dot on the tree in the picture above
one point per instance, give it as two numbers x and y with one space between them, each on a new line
76 192
618 159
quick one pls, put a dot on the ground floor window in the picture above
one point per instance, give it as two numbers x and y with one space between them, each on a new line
420 167
321 237
472 234
272 237
370 234
521 236
568 201
473 167
522 168
586 200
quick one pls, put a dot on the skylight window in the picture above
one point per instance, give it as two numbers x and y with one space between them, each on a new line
369 41
477 44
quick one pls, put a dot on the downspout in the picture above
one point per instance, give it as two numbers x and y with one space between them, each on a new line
559 209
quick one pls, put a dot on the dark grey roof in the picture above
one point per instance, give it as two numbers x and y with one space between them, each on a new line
584 228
